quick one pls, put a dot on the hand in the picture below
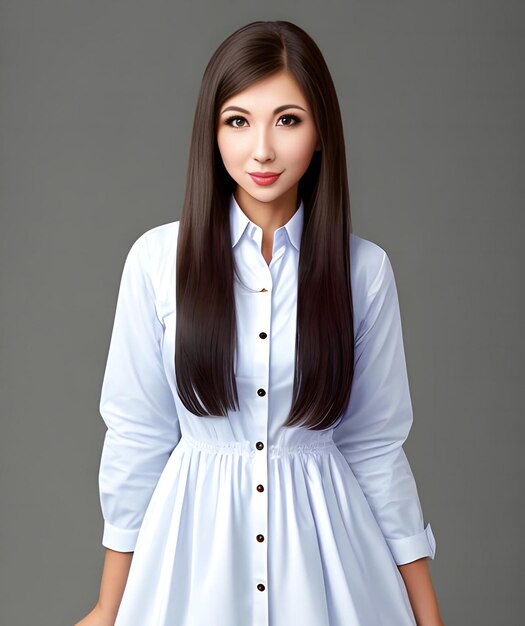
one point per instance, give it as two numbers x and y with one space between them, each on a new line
97 617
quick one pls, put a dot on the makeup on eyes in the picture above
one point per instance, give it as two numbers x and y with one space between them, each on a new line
295 119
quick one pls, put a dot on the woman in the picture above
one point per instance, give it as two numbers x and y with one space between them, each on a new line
256 392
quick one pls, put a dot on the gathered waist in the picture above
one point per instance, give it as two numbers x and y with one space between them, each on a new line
246 448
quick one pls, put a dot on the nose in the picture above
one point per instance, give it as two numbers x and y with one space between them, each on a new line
263 150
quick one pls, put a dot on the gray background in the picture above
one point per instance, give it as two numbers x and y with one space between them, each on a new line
97 102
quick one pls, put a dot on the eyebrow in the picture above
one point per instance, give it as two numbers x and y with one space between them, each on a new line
277 110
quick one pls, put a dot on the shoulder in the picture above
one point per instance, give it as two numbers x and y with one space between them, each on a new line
153 246
372 278
152 254
160 241
369 264
155 243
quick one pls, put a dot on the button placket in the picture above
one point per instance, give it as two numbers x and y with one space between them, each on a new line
260 460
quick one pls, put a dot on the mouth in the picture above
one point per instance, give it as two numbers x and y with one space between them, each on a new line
264 178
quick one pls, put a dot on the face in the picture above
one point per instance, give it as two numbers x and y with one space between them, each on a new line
268 127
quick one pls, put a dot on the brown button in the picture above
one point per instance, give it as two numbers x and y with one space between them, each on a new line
259 445
263 335
264 289
260 488
260 538
261 392
261 587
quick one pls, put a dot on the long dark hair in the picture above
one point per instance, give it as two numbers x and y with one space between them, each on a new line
205 316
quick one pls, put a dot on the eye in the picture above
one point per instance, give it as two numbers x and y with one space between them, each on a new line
289 116
234 117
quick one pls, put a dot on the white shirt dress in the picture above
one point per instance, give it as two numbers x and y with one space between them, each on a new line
236 521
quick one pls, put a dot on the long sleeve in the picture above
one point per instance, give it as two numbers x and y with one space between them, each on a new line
377 422
136 405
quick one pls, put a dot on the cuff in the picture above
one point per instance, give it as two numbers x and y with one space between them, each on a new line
412 548
119 539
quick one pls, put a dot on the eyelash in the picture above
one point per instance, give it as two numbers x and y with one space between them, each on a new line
240 117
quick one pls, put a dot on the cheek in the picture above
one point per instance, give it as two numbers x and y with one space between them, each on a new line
223 146
301 151
229 149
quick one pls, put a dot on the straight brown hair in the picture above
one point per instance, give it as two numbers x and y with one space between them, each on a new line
205 306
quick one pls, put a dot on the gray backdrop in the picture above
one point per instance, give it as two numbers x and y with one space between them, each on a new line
97 101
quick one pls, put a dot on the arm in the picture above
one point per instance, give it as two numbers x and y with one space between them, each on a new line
137 406
421 592
139 410
377 422
114 577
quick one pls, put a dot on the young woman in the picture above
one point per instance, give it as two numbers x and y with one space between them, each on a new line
255 392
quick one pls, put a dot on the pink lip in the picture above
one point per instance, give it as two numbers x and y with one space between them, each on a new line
264 178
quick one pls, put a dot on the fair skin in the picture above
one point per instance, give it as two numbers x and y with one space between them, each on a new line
421 592
260 139
112 584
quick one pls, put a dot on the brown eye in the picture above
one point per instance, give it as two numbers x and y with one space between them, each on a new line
295 119
234 117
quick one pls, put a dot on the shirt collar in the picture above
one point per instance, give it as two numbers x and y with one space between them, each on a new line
239 221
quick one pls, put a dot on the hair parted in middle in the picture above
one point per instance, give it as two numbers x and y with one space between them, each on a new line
205 341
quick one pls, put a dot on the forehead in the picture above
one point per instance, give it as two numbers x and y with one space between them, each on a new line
270 91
